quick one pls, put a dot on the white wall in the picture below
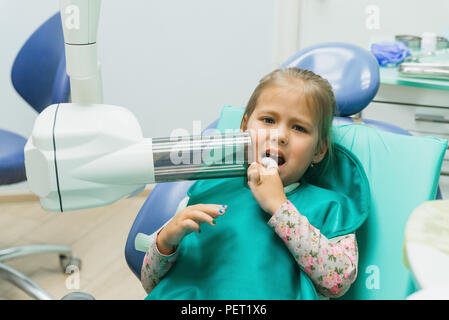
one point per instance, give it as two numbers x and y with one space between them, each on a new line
173 62
170 62
350 20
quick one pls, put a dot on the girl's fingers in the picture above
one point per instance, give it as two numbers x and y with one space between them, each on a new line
200 217
254 174
254 165
214 210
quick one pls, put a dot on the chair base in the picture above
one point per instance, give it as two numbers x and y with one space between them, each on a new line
24 283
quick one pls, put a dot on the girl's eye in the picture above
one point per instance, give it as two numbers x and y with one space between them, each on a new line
299 128
267 120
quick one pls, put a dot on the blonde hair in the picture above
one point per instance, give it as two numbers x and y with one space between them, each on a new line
317 92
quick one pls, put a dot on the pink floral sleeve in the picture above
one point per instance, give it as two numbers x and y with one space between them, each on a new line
155 265
330 263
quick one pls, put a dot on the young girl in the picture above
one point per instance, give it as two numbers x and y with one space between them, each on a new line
266 240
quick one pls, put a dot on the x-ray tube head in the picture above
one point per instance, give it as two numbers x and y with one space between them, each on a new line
201 157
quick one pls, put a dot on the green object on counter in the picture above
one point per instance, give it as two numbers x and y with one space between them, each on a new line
391 76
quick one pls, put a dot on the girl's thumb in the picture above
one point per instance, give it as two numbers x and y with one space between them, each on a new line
254 176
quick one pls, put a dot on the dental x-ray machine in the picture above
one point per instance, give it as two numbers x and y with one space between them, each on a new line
87 154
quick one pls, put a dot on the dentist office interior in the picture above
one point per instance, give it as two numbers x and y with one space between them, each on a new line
174 69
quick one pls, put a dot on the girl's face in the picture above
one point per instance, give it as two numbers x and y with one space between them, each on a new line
284 129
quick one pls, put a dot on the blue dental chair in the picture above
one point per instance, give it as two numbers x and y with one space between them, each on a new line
354 75
38 75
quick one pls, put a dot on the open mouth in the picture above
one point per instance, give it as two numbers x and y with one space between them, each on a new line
276 156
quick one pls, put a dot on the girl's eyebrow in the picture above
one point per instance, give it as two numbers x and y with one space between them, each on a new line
263 113
302 121
268 109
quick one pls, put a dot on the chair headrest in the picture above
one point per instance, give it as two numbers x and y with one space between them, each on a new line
38 73
353 72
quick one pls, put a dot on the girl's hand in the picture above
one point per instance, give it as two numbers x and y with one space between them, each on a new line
185 222
266 187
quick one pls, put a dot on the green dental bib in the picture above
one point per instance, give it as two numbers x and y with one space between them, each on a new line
242 257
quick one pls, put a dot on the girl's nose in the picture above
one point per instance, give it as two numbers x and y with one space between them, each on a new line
279 136
283 139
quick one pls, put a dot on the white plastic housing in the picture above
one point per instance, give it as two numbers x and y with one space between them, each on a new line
67 138
84 70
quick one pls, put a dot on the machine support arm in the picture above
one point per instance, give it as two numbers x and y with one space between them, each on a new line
80 26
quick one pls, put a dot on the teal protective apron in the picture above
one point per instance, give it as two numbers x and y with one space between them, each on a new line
242 257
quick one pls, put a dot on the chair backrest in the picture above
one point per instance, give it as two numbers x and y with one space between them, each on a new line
38 73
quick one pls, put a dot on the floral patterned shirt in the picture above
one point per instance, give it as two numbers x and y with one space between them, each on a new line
331 264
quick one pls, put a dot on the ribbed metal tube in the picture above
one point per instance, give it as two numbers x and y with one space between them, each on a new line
201 157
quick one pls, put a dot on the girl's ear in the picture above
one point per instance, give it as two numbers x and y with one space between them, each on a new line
244 123
320 153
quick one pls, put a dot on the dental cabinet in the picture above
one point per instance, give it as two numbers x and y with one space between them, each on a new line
420 106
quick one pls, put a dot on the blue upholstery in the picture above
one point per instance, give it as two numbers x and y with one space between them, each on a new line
38 75
12 161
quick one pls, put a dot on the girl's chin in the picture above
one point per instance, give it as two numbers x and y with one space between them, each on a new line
288 180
